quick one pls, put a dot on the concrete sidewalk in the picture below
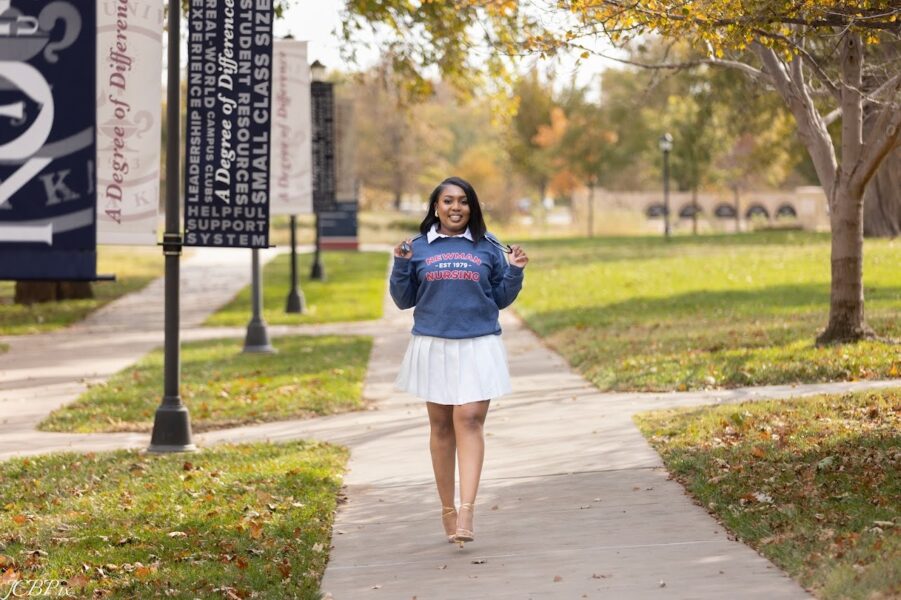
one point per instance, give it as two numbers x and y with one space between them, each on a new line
573 504
570 490
42 372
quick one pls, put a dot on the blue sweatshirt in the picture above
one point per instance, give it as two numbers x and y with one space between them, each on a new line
458 287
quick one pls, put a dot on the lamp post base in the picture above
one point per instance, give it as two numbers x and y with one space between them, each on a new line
295 303
317 272
171 429
257 339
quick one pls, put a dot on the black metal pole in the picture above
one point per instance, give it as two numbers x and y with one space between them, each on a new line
172 424
666 229
317 272
296 301
257 338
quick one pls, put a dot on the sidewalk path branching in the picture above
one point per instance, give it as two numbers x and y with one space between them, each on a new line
574 502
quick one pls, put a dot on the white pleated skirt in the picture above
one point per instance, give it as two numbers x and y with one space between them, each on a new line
448 371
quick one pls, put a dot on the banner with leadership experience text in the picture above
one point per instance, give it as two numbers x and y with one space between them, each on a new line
48 192
228 139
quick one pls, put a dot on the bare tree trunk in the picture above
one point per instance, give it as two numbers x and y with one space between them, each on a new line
36 292
737 208
846 318
591 210
694 209
846 315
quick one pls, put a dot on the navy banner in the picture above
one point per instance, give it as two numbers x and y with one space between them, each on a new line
228 123
47 128
324 177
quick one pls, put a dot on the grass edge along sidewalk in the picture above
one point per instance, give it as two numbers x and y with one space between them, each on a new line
134 269
712 311
354 290
234 521
813 483
222 387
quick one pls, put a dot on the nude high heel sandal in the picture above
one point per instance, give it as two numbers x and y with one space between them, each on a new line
464 535
447 511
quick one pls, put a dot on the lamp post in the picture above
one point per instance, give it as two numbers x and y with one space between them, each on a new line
172 423
317 273
296 301
666 144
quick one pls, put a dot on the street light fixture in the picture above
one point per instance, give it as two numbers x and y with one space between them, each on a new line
666 145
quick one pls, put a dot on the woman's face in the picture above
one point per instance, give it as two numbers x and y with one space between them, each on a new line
453 210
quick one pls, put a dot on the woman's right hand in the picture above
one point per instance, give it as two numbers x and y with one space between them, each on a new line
404 249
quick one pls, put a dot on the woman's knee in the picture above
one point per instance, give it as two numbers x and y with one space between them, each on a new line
469 420
443 428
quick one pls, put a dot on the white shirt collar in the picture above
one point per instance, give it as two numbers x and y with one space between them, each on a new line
433 234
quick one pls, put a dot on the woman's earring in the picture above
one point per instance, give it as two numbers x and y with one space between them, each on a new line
436 212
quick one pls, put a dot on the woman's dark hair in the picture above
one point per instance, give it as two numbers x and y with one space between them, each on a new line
476 220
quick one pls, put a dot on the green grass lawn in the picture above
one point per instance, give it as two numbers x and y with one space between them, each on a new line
134 268
222 387
813 484
232 521
708 311
353 291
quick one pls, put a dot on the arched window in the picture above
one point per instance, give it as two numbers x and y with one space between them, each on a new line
757 210
724 211
689 210
655 210
786 211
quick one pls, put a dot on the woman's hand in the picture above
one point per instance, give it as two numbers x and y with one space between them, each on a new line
404 249
519 258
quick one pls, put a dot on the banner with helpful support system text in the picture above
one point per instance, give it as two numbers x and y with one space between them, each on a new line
48 114
129 96
292 179
227 132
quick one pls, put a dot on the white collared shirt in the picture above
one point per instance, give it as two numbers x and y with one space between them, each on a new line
433 234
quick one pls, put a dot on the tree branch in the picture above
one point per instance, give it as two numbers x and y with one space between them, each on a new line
732 64
880 140
815 66
851 57
811 128
869 99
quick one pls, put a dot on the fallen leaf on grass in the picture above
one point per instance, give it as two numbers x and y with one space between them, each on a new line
177 534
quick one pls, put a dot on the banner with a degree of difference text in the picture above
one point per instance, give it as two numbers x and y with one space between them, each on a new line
227 134
129 94
292 178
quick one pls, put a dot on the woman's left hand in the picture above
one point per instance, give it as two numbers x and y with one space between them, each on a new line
519 258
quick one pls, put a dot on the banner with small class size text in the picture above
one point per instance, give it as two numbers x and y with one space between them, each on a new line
227 136
48 191
129 95
292 177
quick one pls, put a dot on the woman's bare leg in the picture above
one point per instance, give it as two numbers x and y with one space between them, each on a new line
469 421
443 445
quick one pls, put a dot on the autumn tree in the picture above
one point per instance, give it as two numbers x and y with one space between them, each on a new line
586 146
817 55
534 103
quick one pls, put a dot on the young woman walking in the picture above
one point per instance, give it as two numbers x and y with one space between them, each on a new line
457 276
